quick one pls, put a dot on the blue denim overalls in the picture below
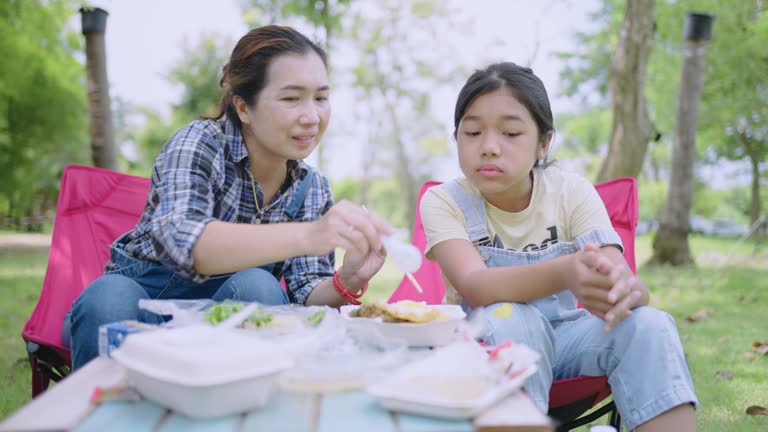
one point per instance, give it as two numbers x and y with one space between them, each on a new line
642 356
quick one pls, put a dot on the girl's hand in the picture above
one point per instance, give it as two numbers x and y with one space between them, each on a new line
625 292
588 285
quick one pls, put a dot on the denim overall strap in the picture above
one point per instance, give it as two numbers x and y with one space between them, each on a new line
299 195
601 237
473 208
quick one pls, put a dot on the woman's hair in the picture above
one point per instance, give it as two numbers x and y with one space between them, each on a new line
245 74
521 81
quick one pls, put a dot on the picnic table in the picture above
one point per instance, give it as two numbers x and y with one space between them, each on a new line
66 406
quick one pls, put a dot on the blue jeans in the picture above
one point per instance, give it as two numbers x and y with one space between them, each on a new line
115 297
642 356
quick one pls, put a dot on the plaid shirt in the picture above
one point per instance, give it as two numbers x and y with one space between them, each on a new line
202 174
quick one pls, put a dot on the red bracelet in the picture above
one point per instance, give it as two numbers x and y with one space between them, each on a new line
348 295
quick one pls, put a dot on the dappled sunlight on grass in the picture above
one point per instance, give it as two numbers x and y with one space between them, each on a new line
738 299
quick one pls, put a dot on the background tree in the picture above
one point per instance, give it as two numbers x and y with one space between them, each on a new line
401 63
197 75
631 129
670 244
727 97
103 149
43 110
611 71
736 114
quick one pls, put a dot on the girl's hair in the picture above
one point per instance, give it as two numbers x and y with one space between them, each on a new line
245 74
525 86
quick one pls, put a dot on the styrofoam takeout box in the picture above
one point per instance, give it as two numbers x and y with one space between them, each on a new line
432 333
202 371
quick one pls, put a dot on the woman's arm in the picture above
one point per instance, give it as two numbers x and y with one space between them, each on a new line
225 247
482 286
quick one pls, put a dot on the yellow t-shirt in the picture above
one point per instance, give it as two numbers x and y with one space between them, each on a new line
563 206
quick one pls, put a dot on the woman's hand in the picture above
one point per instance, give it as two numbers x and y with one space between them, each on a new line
347 226
358 232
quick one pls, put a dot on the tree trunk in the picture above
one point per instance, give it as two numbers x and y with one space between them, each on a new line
755 210
631 129
670 245
102 135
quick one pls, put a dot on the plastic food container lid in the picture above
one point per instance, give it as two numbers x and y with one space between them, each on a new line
201 356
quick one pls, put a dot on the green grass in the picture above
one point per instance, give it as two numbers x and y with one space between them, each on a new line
21 276
736 290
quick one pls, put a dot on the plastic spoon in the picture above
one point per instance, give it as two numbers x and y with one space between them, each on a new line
407 257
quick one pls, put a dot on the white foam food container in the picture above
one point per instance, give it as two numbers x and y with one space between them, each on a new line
432 333
450 383
202 371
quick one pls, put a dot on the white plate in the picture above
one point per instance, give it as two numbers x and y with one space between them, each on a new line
433 333
390 395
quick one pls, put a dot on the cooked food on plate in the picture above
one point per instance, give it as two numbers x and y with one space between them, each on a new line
405 311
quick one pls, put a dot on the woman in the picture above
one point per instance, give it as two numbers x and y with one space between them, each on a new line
232 207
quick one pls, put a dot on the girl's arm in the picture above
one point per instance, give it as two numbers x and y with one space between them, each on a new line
482 286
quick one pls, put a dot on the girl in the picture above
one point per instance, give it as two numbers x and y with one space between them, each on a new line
232 207
523 242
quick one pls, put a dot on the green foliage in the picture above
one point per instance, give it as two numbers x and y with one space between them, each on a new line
323 14
347 188
726 204
587 71
43 108
385 197
651 196
197 75
733 121
585 131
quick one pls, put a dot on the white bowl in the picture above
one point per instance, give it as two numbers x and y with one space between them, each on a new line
432 333
202 371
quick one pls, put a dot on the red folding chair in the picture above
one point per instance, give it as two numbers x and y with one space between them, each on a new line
568 398
95 206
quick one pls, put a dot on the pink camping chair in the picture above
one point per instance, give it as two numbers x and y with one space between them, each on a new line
95 207
568 398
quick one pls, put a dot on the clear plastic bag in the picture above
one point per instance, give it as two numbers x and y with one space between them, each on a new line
297 329
351 362
459 380
182 312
